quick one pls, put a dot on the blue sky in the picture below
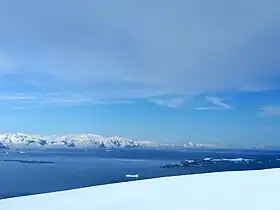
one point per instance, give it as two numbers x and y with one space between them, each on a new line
170 71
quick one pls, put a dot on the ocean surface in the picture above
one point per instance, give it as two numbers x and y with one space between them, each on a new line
26 172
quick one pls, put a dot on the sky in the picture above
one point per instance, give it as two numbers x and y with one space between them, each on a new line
160 70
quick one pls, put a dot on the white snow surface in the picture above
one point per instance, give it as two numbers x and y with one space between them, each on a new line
246 190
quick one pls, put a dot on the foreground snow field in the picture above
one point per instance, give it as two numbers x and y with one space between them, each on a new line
248 190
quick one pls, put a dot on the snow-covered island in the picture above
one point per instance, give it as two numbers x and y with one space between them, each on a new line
246 190
21 140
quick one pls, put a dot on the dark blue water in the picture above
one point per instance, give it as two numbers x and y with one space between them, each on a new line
37 171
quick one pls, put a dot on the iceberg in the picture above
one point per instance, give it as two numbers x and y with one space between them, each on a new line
132 175
228 159
242 190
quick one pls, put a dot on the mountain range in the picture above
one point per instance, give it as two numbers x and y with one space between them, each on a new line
15 140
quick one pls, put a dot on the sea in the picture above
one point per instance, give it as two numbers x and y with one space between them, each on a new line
32 171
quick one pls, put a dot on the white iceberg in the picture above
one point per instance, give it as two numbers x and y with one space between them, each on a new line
246 190
132 175
228 159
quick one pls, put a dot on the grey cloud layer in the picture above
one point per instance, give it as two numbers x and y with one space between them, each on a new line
169 46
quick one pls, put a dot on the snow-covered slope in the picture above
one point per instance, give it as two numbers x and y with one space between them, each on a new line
247 190
80 140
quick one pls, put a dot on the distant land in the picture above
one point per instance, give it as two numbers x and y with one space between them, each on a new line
22 140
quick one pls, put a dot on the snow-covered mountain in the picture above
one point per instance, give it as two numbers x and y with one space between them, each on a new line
77 140
12 140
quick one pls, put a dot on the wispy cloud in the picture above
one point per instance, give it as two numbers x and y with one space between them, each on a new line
16 97
270 111
74 99
217 102
170 102
207 108
173 100
18 108
59 99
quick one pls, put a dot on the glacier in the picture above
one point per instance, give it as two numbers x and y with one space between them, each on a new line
243 190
